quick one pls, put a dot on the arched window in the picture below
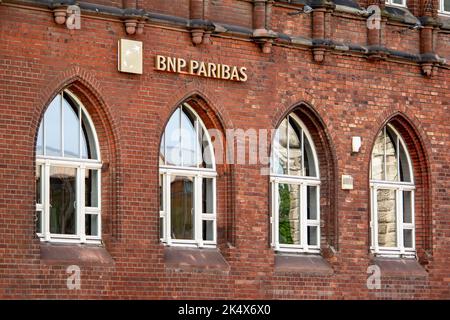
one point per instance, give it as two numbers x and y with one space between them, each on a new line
187 182
295 189
67 174
392 196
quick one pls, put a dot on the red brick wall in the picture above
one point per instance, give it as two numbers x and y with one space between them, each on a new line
348 95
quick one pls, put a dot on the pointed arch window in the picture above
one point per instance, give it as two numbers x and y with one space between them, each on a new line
68 174
295 185
392 196
187 182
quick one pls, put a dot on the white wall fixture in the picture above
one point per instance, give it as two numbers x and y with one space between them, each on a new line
356 144
130 56
347 182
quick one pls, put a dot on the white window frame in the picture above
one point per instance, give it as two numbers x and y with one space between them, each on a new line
303 182
81 165
442 10
391 3
398 186
198 174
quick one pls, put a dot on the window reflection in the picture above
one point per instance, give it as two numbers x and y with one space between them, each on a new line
295 149
387 225
53 128
185 142
280 149
289 213
63 200
71 130
391 156
182 207
292 152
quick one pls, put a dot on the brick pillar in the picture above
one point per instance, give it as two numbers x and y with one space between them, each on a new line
322 9
428 20
196 16
129 4
133 23
261 15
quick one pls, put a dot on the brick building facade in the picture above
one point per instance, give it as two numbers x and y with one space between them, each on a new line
339 77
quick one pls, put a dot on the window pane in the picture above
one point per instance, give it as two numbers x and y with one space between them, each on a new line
447 5
38 221
408 238
311 193
391 156
400 2
40 141
91 224
172 135
71 131
280 149
378 158
38 184
63 195
206 151
182 207
312 236
407 207
405 174
207 196
189 142
289 213
91 188
387 226
208 230
295 148
53 128
310 166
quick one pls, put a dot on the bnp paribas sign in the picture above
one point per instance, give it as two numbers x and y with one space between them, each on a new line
200 68
130 60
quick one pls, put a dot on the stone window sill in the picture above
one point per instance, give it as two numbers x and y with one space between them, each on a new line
400 267
194 259
307 264
74 254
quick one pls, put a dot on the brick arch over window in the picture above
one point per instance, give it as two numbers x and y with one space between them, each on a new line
410 132
86 89
328 171
213 119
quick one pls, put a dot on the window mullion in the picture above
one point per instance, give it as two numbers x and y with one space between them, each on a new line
398 159
81 173
180 137
196 143
288 153
80 133
61 109
197 210
303 217
413 220
214 210
375 218
384 155
399 208
276 216
318 214
302 153
46 222
166 197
